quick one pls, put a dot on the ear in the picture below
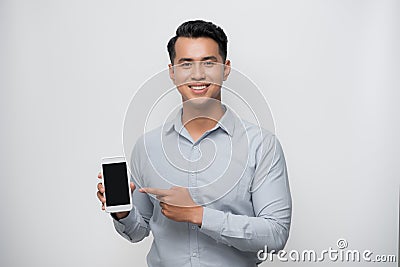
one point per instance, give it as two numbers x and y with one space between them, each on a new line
171 72
227 69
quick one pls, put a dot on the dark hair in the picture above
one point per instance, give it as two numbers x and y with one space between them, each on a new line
196 29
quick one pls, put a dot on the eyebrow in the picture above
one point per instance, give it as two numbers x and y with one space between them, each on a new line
202 59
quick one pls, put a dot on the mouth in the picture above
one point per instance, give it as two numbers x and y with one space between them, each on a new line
199 88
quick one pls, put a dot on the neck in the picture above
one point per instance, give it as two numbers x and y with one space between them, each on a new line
200 117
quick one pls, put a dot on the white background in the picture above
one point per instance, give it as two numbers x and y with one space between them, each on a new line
329 69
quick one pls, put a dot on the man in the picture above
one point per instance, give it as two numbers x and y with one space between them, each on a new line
213 189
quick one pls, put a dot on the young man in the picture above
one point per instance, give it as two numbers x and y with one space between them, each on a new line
207 209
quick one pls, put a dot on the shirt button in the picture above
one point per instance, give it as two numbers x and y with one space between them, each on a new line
195 147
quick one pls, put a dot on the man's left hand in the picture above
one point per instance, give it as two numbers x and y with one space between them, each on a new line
177 204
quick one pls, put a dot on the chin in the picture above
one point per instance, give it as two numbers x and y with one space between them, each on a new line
202 102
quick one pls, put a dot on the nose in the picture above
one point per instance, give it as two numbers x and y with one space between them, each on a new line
198 71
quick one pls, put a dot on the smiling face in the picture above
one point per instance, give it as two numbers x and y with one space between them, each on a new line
198 69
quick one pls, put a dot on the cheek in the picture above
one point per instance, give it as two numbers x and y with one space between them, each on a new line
216 77
215 91
182 89
181 78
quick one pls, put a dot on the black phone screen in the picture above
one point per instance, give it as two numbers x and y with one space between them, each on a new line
116 184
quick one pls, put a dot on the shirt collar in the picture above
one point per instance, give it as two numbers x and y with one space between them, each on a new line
226 123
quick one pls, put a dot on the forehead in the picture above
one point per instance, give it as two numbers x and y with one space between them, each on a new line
196 48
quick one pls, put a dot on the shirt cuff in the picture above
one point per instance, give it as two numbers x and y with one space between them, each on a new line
213 222
127 221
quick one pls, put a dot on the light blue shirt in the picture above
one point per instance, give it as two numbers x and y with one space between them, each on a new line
236 171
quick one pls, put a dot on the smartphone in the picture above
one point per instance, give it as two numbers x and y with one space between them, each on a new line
116 184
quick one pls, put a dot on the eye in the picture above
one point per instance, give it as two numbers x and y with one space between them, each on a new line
186 65
208 63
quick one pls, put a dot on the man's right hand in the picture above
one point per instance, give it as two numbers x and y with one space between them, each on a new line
100 195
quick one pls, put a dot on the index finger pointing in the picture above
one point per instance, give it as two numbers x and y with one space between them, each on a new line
154 191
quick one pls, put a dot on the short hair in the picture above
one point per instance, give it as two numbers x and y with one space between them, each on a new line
196 29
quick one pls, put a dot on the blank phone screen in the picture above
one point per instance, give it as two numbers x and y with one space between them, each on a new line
116 184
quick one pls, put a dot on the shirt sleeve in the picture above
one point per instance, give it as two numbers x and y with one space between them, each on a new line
272 206
135 227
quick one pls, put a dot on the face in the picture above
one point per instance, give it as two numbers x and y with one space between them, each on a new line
198 70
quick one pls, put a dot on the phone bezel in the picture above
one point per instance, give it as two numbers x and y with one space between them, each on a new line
117 208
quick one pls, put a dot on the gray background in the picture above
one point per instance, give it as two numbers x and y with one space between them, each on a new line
329 69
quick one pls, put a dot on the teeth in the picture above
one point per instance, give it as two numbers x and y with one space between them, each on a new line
198 87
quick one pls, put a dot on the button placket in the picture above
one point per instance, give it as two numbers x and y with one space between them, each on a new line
194 246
